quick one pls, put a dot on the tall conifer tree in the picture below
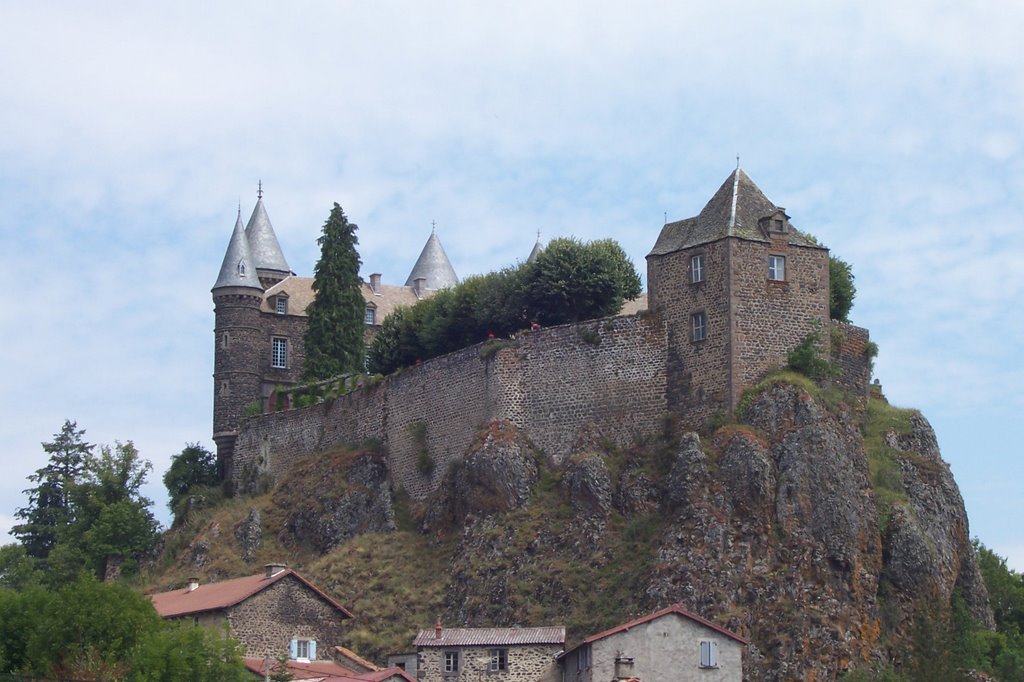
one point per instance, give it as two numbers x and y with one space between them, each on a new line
334 340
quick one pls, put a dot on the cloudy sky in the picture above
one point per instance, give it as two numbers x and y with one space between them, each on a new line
130 132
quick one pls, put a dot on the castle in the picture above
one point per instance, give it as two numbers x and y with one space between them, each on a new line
730 292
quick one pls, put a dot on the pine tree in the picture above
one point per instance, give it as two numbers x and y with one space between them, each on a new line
50 507
334 339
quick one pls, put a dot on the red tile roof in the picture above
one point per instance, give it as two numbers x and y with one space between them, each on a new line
676 609
329 671
490 636
227 593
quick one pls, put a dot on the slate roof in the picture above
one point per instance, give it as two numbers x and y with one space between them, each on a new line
490 636
733 211
266 251
676 609
434 266
227 593
300 295
238 267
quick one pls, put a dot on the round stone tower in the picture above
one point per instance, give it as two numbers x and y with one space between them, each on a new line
237 297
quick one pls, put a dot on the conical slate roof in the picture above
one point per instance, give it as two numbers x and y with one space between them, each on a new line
537 248
734 211
238 269
434 266
263 242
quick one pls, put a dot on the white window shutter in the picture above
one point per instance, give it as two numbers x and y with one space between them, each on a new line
312 649
293 649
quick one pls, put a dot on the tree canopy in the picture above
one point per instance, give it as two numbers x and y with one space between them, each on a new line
334 339
841 289
569 281
193 472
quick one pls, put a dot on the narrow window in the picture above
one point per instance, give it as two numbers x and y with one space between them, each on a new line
708 654
225 340
451 662
697 268
282 305
499 660
371 316
777 268
279 354
698 326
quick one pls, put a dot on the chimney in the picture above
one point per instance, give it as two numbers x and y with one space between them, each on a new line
623 667
274 569
437 630
419 285
375 283
193 584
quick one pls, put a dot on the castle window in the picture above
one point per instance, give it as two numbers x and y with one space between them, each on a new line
279 353
370 316
708 654
698 326
241 268
281 305
777 268
777 225
225 340
499 660
697 268
451 663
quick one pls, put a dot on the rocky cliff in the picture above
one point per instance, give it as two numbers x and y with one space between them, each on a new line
819 530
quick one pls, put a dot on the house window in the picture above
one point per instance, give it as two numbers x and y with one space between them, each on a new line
499 660
777 225
371 316
708 654
777 268
303 650
697 268
279 353
282 305
698 326
451 663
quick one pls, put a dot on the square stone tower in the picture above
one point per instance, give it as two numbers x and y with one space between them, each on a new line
738 287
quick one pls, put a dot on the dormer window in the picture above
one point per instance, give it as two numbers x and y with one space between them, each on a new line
281 305
776 223
241 268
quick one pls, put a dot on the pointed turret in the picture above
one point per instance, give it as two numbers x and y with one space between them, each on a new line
238 269
266 250
433 267
537 248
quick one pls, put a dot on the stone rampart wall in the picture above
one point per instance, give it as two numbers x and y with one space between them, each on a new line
605 378
849 353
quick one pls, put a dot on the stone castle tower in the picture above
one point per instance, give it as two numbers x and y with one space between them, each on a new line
738 287
260 318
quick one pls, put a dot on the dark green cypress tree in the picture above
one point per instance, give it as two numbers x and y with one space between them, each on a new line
334 339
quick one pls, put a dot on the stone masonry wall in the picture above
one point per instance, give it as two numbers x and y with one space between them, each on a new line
607 376
849 353
769 317
266 623
526 663
290 327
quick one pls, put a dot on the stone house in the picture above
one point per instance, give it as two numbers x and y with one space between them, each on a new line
276 613
671 645
493 654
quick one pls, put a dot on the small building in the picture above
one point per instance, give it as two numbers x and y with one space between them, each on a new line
671 645
272 614
326 671
497 654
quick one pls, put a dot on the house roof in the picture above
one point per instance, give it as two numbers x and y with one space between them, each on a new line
238 269
227 593
434 266
676 609
329 671
300 295
735 210
490 636
266 250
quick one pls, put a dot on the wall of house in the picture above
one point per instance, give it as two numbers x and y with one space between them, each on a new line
526 663
266 623
290 327
666 649
770 318
698 371
604 377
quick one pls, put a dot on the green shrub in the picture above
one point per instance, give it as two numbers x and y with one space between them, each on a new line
809 357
